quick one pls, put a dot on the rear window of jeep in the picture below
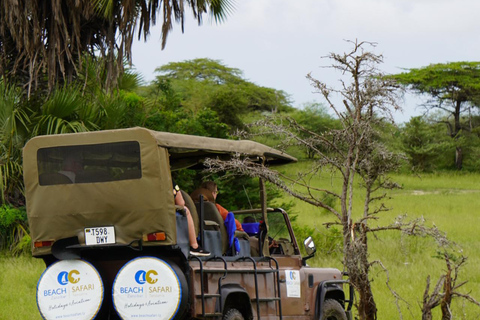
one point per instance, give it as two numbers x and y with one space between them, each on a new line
89 163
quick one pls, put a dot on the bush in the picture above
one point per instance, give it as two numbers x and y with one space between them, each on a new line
328 241
14 233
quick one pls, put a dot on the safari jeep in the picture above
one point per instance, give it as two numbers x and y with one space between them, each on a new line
116 246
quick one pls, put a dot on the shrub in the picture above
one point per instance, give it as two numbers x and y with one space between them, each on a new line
14 233
328 241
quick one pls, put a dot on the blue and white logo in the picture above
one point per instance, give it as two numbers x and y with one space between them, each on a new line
63 278
140 277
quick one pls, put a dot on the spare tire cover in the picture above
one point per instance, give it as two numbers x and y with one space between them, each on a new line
70 289
148 288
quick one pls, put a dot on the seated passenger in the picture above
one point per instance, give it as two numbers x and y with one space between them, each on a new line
195 248
71 166
213 188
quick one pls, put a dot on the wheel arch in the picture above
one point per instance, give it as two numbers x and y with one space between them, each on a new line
235 296
328 290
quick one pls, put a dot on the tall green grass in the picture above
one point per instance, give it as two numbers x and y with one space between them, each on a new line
449 201
18 283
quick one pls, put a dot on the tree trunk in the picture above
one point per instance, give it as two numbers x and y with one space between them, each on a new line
427 314
456 132
458 158
447 298
367 308
356 262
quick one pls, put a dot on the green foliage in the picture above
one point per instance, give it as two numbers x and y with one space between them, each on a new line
328 241
57 113
315 118
458 81
67 109
14 230
425 144
45 45
200 70
14 132
194 85
204 123
454 87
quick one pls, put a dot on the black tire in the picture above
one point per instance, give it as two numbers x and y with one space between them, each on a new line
233 314
333 310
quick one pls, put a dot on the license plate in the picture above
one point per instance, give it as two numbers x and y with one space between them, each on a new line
99 235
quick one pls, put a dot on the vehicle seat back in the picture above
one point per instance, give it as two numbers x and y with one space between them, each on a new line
193 210
211 213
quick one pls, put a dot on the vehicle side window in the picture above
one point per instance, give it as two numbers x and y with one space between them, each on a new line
89 163
279 235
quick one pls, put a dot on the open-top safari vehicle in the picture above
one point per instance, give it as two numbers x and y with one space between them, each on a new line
102 216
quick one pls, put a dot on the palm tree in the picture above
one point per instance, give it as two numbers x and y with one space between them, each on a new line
42 42
14 132
80 106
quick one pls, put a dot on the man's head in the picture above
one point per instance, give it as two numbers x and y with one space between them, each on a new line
73 162
212 186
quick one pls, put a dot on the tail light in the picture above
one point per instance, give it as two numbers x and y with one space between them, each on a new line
43 244
155 236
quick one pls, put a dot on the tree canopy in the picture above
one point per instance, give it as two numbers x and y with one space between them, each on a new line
450 82
45 41
205 83
453 87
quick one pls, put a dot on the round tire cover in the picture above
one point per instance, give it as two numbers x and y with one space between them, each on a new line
147 288
70 289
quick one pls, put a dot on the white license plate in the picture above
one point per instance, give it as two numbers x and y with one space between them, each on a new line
99 235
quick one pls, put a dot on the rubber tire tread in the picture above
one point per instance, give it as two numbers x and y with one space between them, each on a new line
333 310
233 314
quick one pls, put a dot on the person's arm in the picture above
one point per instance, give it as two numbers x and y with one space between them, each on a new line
179 201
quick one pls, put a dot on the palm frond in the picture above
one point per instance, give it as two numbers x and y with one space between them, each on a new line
11 178
50 124
221 9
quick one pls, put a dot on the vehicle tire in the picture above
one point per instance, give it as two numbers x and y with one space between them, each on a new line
333 310
233 314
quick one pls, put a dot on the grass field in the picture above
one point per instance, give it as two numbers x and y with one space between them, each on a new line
18 283
448 201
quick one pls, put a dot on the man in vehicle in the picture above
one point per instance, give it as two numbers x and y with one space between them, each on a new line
213 188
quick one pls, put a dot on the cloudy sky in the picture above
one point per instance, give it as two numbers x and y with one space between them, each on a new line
276 43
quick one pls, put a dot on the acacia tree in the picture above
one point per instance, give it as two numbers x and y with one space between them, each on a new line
353 152
453 87
49 38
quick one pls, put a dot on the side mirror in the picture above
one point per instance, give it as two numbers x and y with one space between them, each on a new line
309 246
310 249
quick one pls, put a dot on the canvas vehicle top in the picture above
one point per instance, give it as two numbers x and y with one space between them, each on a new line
127 171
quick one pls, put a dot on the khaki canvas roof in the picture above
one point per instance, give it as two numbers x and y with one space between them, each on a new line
58 211
189 149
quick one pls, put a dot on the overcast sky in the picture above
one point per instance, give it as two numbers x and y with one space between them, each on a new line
276 43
